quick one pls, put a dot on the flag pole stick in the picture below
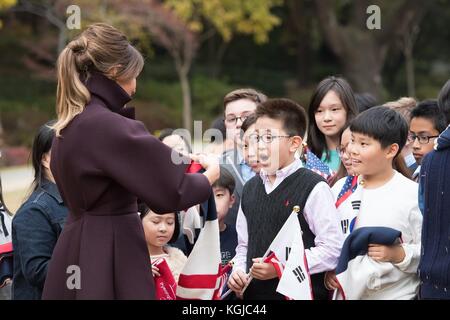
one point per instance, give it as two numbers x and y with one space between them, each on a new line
335 292
225 269
226 294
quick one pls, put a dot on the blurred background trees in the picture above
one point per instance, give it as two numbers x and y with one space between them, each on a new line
198 50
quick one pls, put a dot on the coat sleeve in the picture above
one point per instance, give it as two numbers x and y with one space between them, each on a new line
34 242
146 167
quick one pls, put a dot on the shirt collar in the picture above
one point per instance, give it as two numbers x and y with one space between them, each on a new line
416 172
282 173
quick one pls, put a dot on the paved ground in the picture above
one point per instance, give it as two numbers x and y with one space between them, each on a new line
16 178
15 184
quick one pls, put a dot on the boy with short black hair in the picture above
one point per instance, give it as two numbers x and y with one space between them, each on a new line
427 123
268 200
223 195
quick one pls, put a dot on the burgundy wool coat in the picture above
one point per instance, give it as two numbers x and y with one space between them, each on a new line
103 162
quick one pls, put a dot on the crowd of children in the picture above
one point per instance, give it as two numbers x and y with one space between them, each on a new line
374 172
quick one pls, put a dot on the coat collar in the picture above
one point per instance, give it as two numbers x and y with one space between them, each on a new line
112 94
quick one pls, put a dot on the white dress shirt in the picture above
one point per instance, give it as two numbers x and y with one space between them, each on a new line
321 215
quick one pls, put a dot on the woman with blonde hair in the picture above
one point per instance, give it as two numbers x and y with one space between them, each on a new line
102 161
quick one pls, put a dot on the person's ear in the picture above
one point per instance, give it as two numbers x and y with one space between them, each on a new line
45 161
392 150
113 71
296 143
232 200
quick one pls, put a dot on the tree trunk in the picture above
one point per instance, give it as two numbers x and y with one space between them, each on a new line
361 51
299 22
62 39
408 52
217 64
363 68
187 103
410 81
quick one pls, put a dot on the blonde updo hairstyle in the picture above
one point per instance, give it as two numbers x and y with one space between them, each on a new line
101 48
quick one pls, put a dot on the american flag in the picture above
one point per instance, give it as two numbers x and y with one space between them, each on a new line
200 278
350 185
314 164
225 273
348 203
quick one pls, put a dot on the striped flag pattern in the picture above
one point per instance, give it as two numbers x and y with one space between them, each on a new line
201 278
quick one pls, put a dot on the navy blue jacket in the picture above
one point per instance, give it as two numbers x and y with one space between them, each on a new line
357 243
35 229
434 267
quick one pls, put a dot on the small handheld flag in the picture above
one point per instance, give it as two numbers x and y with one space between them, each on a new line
200 278
292 268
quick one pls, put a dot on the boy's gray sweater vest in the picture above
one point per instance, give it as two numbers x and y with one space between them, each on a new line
266 214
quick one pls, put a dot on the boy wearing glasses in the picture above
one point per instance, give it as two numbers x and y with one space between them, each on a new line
238 106
427 122
268 199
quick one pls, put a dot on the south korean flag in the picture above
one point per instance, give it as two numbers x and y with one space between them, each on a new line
295 282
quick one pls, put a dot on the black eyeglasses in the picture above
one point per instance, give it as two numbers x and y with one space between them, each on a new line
268 138
422 139
233 120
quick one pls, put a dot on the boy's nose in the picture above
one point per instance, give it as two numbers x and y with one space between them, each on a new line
416 144
252 151
239 123
260 145
351 149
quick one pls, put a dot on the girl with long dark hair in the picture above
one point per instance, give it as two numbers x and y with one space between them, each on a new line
331 108
38 222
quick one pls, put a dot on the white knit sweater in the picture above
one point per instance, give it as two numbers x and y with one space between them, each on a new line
175 258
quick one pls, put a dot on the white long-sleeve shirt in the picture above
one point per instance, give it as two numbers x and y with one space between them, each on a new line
395 205
321 215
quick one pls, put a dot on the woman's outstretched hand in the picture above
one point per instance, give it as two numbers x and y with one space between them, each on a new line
210 163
